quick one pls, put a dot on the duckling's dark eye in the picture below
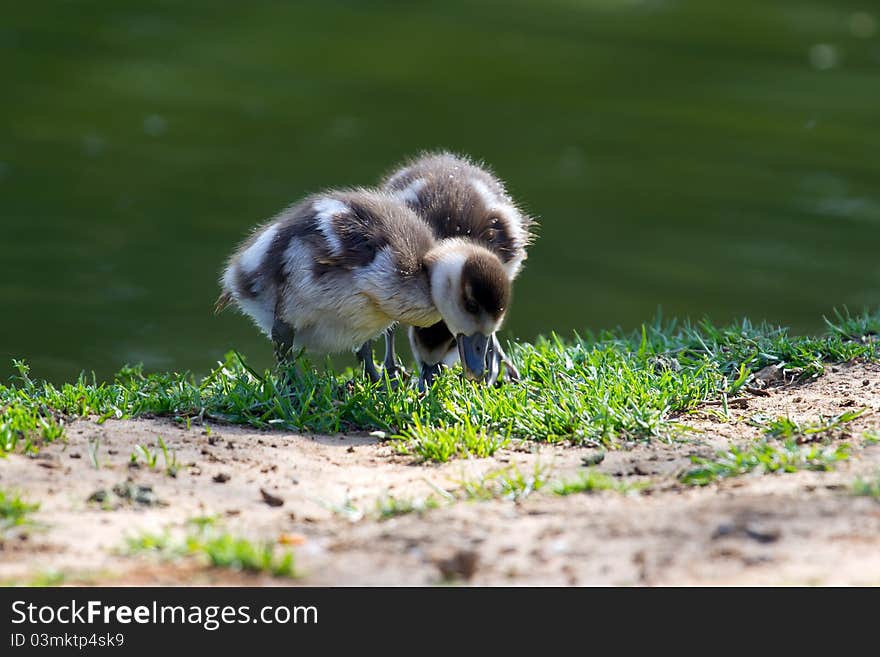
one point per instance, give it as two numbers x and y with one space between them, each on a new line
471 306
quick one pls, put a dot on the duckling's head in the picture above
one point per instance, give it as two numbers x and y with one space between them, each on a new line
471 290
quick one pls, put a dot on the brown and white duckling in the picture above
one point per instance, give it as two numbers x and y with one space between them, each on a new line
337 269
460 199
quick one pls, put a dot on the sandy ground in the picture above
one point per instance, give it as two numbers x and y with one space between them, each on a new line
801 528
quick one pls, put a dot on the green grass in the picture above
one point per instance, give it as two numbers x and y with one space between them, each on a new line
14 511
867 487
787 429
47 578
861 328
508 483
40 579
391 507
792 455
591 481
227 551
94 447
596 390
25 422
764 457
443 442
151 458
216 548
505 483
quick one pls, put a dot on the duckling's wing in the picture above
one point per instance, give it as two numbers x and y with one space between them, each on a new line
350 236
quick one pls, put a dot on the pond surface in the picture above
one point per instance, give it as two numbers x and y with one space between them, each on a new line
708 158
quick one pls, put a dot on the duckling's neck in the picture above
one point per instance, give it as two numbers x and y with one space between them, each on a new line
445 266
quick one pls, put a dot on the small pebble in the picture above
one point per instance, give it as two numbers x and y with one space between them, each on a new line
270 499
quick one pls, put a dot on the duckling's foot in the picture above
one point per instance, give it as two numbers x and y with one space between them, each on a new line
365 358
511 374
389 383
493 361
282 340
396 376
396 372
391 367
427 374
497 357
288 375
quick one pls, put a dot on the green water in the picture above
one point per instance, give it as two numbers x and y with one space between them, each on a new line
710 158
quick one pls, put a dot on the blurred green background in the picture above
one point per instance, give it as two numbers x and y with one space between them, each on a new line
707 157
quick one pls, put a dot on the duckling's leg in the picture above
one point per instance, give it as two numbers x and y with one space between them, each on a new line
493 361
427 374
365 358
282 339
390 363
498 356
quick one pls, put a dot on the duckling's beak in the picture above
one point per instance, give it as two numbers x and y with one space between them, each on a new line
472 350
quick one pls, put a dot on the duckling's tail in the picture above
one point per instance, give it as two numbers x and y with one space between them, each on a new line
222 301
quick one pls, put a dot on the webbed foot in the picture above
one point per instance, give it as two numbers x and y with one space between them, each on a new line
390 365
285 359
365 358
497 357
427 374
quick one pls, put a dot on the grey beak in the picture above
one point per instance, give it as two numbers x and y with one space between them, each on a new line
472 350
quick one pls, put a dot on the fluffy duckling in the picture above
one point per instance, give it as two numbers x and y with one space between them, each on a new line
460 199
336 270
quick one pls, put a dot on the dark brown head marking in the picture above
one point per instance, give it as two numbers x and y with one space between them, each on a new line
434 337
247 284
484 285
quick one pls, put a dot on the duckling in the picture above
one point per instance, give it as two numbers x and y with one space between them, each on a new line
334 271
460 199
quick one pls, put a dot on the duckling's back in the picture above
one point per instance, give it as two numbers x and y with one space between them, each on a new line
459 198
315 264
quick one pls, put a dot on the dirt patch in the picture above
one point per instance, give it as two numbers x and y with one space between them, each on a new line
321 495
